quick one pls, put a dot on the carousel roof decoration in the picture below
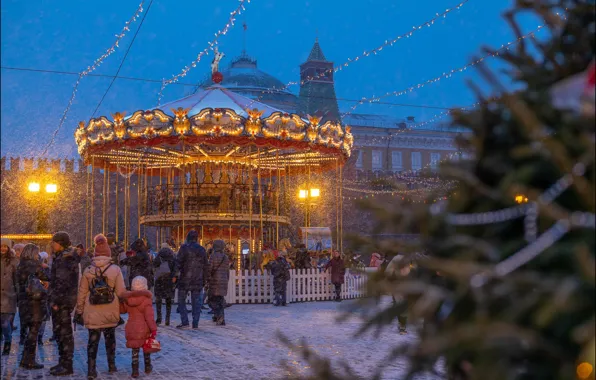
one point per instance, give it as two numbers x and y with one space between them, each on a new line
213 125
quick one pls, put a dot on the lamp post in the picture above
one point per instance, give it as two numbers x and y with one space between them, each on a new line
41 199
308 197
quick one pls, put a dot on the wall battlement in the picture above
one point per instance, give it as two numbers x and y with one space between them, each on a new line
27 164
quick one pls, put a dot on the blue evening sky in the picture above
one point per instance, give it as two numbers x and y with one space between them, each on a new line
69 35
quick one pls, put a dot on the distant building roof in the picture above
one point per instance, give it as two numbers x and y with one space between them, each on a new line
386 121
316 54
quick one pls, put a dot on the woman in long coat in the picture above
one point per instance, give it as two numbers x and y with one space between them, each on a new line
338 271
33 305
8 299
165 285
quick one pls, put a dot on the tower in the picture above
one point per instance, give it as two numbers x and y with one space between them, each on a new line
317 88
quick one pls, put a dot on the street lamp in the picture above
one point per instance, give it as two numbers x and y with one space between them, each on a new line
40 204
308 196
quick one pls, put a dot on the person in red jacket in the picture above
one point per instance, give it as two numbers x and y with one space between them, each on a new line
338 271
141 322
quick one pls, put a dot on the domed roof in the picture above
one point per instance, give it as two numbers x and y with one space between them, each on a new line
243 73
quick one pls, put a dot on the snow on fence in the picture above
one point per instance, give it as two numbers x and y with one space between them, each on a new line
305 285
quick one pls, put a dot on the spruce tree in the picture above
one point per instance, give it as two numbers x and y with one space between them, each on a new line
509 294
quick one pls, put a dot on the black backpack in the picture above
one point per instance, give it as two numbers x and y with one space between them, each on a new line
100 293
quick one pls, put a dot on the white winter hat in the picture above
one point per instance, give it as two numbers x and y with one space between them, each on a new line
43 255
139 283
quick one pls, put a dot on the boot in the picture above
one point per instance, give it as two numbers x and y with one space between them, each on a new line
135 363
64 369
40 341
28 360
111 354
148 366
6 349
91 369
220 321
158 310
168 311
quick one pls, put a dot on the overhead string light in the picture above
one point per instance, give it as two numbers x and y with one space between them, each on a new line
89 70
448 74
365 54
229 24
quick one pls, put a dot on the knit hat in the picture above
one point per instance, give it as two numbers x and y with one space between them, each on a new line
62 238
219 246
138 245
165 246
101 246
6 242
139 283
192 236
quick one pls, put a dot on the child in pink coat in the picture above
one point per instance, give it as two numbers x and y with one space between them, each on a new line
141 322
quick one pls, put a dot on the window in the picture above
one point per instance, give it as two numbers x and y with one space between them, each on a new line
434 160
359 160
416 161
396 162
377 159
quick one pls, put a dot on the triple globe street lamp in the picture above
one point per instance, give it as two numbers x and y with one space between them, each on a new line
308 197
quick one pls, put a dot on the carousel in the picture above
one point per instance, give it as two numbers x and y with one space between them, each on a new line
215 161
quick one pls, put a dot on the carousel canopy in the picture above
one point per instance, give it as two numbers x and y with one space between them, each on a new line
212 126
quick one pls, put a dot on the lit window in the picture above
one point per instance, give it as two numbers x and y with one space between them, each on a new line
359 160
416 161
396 162
377 159
434 160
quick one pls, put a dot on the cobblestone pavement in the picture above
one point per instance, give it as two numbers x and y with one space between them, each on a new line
246 348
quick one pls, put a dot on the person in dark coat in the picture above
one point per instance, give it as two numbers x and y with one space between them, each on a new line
64 281
338 271
32 305
219 275
165 280
302 258
139 263
280 269
194 274
9 290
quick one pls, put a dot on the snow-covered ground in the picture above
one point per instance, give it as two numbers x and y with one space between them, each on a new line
246 348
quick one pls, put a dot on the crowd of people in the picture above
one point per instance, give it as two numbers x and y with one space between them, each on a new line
95 287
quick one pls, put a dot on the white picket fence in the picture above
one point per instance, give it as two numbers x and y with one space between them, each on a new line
305 285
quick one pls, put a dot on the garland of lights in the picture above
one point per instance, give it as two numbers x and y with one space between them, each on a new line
89 70
530 211
448 74
221 32
366 53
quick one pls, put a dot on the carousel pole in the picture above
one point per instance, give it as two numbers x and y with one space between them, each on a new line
146 198
337 201
87 239
277 201
341 208
139 178
183 180
160 231
117 205
103 199
260 198
126 205
108 202
92 200
250 189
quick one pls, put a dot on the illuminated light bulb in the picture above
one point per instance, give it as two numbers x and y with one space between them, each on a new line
33 187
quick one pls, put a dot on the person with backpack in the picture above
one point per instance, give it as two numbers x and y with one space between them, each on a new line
98 305
219 275
280 269
33 301
165 280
